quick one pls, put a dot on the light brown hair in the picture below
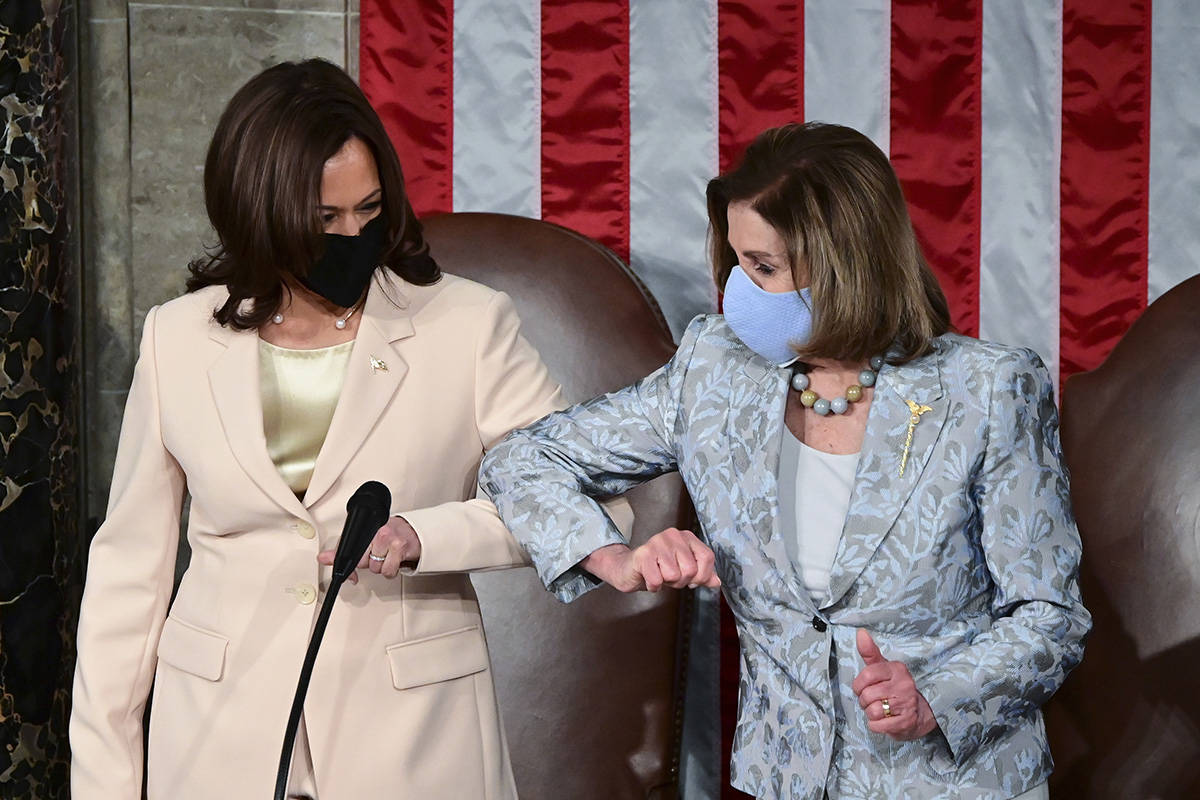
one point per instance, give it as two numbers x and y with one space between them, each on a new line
835 200
262 187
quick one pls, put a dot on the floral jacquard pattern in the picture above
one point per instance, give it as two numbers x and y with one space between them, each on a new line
964 565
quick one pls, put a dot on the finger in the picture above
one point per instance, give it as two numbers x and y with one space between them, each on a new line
875 692
686 567
664 546
379 547
325 557
897 727
705 561
668 567
868 649
876 673
651 574
896 707
354 577
685 556
391 567
706 575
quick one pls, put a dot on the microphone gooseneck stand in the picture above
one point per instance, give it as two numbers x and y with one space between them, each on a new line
367 511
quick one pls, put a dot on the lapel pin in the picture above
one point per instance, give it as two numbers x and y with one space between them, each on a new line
916 411
378 365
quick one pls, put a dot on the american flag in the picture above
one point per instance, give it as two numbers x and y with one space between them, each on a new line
1049 149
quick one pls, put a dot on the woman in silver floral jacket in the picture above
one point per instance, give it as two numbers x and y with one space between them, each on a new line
883 502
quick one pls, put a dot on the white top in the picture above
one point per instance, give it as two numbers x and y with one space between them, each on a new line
300 390
814 497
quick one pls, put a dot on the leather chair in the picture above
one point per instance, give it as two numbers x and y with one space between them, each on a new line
591 693
1127 723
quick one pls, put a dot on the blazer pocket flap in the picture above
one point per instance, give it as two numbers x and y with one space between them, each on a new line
437 658
192 649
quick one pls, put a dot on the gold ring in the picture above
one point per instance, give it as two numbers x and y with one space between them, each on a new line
887 707
374 557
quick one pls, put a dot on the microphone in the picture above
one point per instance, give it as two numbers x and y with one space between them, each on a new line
367 511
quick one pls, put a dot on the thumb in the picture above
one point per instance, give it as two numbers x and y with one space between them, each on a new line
868 649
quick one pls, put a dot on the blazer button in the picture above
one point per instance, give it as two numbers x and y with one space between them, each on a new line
305 594
305 530
819 624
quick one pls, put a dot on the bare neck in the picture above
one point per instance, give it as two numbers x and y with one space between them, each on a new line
310 321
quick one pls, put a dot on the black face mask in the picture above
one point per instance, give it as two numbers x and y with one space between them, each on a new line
342 273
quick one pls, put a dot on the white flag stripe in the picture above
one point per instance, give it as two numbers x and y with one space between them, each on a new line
672 150
1174 247
847 62
497 106
1020 191
672 154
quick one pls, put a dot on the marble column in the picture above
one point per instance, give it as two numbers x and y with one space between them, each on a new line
40 465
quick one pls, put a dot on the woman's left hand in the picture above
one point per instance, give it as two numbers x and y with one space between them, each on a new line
394 545
888 695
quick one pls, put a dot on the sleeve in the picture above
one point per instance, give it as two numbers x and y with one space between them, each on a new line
130 573
512 389
544 479
1032 551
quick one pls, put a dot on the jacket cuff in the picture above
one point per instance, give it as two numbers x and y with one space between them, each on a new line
452 542
564 577
958 711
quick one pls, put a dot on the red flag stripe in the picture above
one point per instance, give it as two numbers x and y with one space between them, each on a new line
585 118
406 69
937 51
760 81
1105 176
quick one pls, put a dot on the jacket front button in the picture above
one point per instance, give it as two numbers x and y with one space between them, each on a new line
819 624
305 530
305 593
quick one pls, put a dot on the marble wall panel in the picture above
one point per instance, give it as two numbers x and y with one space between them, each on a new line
352 41
282 6
40 470
185 63
108 279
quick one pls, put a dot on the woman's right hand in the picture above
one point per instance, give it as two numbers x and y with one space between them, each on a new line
671 558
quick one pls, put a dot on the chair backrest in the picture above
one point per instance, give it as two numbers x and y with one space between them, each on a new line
1127 722
590 693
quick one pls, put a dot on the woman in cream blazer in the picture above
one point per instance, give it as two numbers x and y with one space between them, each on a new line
401 702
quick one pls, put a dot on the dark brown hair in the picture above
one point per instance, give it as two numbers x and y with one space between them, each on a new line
835 200
262 187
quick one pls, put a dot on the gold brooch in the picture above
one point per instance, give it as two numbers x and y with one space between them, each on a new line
917 411
378 365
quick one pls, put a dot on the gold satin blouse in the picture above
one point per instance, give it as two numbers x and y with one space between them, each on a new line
300 391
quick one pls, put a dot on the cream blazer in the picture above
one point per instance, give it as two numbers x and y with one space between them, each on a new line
401 702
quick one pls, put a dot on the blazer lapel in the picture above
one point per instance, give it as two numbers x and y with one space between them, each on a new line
908 398
234 380
372 378
757 403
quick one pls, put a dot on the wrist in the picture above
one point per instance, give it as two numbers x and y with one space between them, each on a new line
411 539
606 562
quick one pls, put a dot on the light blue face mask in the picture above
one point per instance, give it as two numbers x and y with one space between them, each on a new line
769 323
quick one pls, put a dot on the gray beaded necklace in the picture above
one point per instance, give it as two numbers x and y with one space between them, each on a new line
838 405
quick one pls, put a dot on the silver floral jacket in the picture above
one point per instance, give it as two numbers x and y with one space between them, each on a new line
965 567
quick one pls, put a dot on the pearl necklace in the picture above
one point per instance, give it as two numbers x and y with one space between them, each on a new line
340 323
838 405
